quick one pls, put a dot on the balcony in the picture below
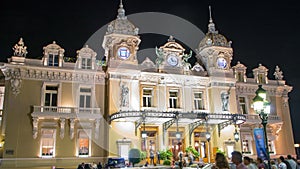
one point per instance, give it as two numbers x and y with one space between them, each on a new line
254 119
50 112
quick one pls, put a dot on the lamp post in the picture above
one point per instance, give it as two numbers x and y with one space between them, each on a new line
236 135
262 108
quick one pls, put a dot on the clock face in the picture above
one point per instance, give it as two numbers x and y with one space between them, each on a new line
222 63
172 60
123 53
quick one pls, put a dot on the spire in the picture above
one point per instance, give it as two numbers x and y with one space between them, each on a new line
211 25
121 11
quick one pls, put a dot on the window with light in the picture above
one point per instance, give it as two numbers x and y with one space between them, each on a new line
83 144
47 143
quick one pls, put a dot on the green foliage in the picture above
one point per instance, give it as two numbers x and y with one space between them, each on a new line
70 59
134 156
193 150
219 151
167 162
143 155
165 154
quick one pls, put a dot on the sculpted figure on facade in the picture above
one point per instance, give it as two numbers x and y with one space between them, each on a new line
160 56
185 61
124 96
278 73
225 101
20 49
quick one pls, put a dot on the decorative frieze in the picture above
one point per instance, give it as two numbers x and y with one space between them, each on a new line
17 74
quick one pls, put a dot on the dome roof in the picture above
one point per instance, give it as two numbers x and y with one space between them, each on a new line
122 25
212 37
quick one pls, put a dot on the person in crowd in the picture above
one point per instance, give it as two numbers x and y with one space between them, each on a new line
288 166
151 157
293 163
221 162
191 158
81 166
237 159
99 166
260 163
158 157
273 165
247 162
281 164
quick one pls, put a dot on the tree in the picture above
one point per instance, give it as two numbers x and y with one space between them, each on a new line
134 156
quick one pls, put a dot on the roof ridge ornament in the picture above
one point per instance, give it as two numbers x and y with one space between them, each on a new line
20 49
278 73
121 11
171 39
211 25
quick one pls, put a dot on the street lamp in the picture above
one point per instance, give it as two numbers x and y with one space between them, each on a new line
144 133
236 135
262 108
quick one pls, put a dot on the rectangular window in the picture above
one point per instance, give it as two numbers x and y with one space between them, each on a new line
85 97
240 77
86 63
261 78
242 103
53 60
147 97
47 142
198 101
51 98
83 144
246 146
173 99
271 147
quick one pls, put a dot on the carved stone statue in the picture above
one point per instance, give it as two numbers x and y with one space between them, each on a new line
278 74
160 56
185 61
20 49
225 101
124 96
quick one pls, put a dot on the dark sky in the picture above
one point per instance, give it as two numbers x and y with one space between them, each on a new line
261 32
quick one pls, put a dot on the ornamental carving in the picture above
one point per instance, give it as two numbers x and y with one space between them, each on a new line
20 49
14 75
278 73
62 128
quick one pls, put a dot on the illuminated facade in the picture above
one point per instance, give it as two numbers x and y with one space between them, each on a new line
91 109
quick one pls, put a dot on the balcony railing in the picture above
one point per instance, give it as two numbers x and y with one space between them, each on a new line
254 118
65 112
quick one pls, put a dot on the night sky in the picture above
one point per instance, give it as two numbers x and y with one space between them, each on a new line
261 32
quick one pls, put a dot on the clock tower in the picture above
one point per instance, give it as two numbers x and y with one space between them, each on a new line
121 42
171 57
215 52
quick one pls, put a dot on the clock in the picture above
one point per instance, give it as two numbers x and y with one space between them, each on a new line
172 60
123 52
221 63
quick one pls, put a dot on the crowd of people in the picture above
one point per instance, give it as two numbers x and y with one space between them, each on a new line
90 166
246 162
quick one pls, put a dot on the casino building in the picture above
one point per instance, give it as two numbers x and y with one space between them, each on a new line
57 112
